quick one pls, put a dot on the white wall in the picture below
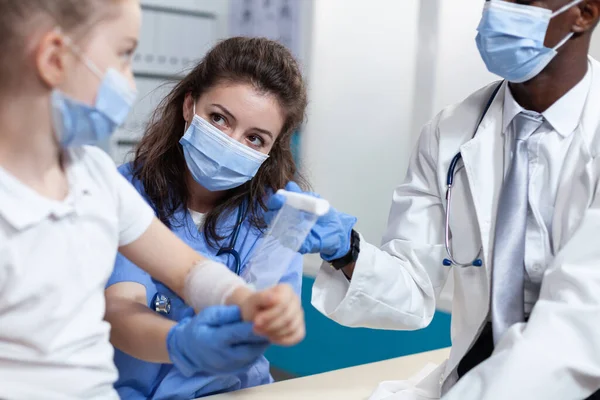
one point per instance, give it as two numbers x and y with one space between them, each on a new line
449 67
595 47
356 143
460 70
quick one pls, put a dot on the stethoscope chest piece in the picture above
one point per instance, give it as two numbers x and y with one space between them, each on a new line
161 304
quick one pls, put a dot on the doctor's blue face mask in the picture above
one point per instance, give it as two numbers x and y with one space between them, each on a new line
511 38
76 123
215 160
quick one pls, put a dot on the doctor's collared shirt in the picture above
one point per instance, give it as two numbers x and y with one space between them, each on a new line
55 259
547 148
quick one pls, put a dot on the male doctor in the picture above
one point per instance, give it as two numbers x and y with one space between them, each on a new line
524 219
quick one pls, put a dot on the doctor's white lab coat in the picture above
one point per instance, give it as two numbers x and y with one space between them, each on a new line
556 355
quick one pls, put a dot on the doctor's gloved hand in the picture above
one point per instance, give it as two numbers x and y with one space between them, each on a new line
331 234
215 341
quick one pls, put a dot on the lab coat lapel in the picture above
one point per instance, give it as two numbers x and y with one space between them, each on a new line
483 158
579 172
573 193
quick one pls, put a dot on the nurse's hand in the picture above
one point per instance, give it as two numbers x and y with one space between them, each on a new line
215 341
331 234
277 314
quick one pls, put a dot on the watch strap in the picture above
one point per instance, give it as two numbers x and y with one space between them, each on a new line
352 254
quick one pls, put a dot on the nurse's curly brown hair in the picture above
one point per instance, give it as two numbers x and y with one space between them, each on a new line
159 161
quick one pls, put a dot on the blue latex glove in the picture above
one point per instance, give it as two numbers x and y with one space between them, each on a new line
331 234
216 341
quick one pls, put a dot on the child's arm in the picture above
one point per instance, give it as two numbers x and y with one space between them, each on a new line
277 312
135 328
199 281
150 245
216 341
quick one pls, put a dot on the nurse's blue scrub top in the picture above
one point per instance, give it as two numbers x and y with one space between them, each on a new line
143 380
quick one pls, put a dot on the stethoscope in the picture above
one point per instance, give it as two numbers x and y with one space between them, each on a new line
233 241
162 304
477 262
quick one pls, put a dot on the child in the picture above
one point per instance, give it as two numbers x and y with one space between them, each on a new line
65 210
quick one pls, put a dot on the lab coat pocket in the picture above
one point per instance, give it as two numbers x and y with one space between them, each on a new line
422 386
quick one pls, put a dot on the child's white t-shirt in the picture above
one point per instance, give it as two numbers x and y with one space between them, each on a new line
55 259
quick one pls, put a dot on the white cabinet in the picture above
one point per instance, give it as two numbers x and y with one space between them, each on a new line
151 92
173 41
216 7
175 35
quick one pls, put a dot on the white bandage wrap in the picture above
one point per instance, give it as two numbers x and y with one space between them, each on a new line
210 283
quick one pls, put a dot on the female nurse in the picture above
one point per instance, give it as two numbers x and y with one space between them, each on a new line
215 149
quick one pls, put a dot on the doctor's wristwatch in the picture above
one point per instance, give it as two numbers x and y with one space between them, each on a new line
352 254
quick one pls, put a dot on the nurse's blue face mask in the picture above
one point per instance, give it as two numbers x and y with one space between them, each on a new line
76 123
216 161
511 38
